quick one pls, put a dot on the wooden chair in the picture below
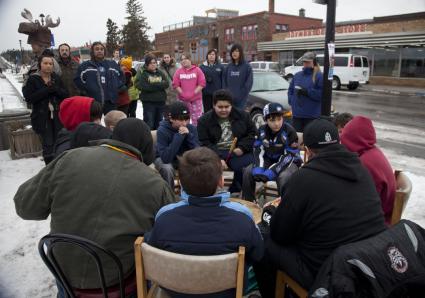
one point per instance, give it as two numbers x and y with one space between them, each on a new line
186 273
403 191
283 280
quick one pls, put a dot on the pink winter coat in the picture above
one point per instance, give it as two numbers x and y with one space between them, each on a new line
359 136
188 79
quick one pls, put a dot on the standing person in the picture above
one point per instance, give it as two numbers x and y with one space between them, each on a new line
330 201
238 77
305 93
189 81
116 56
44 90
152 84
104 193
213 71
123 95
359 136
100 78
69 68
229 132
168 66
174 137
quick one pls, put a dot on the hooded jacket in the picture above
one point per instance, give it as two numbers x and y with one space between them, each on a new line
106 195
170 143
188 79
152 86
329 202
306 106
39 95
169 70
213 77
238 79
100 80
359 137
69 68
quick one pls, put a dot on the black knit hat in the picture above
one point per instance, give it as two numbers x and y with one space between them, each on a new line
320 133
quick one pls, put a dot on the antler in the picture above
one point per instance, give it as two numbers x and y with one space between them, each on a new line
50 23
26 14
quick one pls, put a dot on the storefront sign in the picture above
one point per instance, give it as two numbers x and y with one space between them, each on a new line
321 31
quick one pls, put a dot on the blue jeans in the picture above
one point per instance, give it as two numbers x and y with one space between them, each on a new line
153 113
237 164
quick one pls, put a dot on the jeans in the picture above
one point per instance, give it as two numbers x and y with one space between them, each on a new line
237 164
153 114
166 170
300 123
207 101
132 109
48 138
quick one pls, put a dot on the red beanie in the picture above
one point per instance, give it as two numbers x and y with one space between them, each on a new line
74 110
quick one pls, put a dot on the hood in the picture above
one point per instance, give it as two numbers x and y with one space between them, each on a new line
336 161
359 135
86 132
75 110
172 63
190 69
136 133
167 125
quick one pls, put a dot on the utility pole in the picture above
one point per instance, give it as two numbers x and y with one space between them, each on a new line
329 38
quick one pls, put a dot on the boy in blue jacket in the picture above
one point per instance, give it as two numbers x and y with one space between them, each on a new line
276 153
205 222
174 137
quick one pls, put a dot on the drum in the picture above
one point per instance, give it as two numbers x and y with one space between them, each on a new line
254 208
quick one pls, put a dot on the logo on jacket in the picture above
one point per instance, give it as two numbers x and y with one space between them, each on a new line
398 261
187 76
234 73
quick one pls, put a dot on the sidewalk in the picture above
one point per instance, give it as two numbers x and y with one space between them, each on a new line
396 90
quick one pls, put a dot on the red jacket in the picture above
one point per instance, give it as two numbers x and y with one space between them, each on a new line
359 136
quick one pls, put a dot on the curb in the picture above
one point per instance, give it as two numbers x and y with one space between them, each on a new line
394 92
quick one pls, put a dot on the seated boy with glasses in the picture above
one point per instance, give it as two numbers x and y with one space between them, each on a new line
174 137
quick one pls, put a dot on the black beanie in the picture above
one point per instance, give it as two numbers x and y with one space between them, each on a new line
136 133
88 131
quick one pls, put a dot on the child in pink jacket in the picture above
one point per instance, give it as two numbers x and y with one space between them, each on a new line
189 81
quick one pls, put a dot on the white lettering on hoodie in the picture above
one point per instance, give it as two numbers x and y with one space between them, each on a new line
187 76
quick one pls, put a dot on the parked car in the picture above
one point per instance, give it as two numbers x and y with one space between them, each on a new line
265 66
267 87
349 70
138 64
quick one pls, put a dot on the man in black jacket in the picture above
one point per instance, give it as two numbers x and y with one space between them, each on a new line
230 132
329 202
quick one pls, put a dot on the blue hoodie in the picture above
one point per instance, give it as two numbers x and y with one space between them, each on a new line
170 143
306 106
238 79
213 76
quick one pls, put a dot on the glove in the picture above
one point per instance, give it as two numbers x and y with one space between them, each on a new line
270 174
302 92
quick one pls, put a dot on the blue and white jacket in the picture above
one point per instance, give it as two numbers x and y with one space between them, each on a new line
306 106
100 80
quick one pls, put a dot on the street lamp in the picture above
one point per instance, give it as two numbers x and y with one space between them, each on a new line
329 38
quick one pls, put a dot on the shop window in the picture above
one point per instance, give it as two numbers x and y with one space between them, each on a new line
413 62
386 62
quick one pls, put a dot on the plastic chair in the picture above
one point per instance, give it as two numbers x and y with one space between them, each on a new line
46 247
186 273
402 195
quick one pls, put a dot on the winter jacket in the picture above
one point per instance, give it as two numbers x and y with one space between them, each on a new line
152 86
238 79
169 70
209 130
391 264
207 226
69 69
188 79
213 77
170 143
133 92
272 150
123 96
98 193
359 137
306 106
39 95
329 202
100 80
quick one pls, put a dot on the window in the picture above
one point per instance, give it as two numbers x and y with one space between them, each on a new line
413 62
357 62
249 32
254 65
263 66
193 46
244 33
255 31
281 27
365 62
341 61
229 34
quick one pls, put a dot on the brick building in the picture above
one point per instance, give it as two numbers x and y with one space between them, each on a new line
395 46
227 28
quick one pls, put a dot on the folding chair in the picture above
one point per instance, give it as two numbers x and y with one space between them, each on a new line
283 280
402 195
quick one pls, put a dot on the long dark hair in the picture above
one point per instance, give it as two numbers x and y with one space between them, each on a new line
92 47
237 46
44 55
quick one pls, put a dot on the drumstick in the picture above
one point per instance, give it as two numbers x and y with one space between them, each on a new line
232 147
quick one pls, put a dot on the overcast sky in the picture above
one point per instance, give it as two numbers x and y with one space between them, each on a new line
85 20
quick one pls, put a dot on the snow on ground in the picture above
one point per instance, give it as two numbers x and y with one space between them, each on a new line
22 272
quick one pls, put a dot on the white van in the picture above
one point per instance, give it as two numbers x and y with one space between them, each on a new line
265 66
349 70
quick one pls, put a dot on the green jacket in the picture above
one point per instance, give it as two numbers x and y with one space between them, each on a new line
133 92
98 193
152 86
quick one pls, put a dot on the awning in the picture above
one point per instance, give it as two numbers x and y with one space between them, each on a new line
347 41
